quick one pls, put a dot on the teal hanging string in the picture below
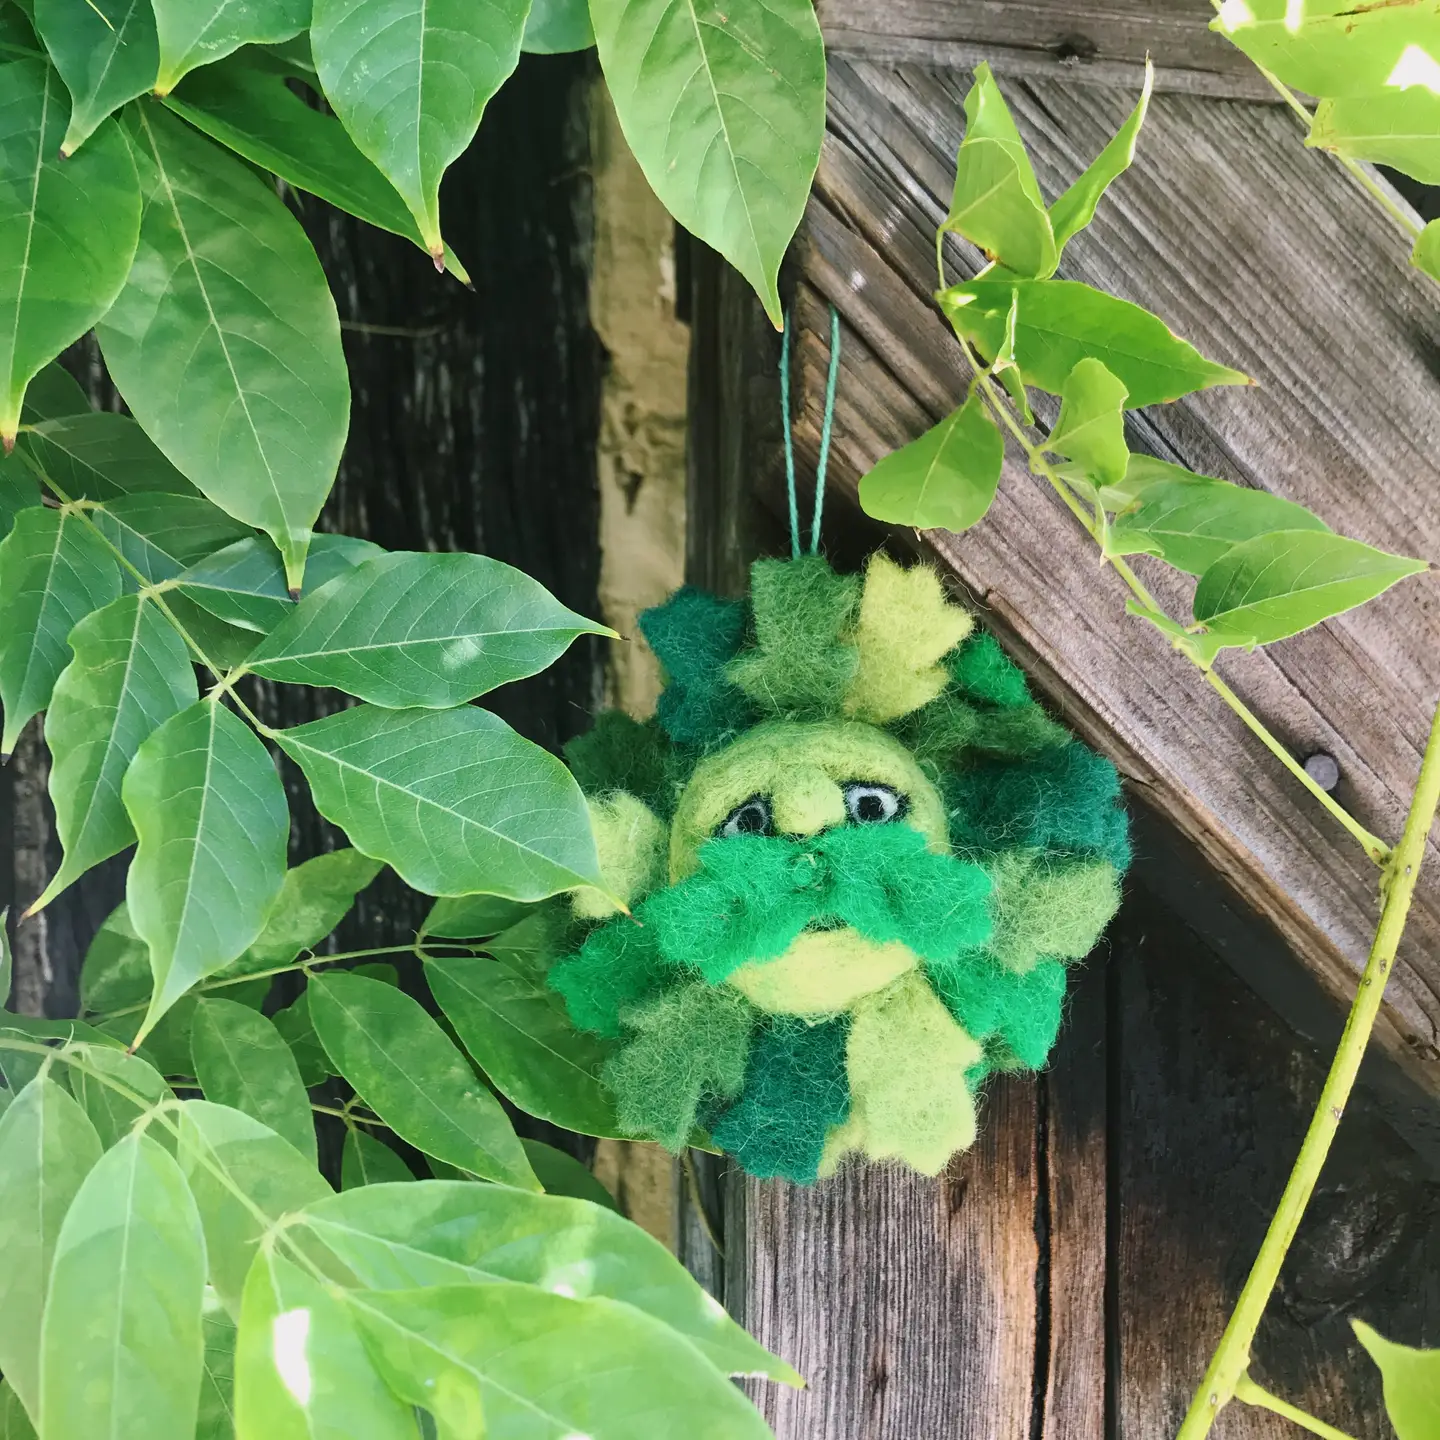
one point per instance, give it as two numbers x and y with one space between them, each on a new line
832 378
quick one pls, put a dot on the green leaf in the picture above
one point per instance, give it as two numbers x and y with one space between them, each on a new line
112 1111
53 394
997 203
101 456
14 1422
116 970
1412 1383
225 342
245 104
241 1060
448 1232
1399 128
1061 322
225 645
1091 426
1075 209
160 535
106 53
7 960
295 1028
454 800
1426 254
368 1161
563 1174
301 1371
404 1067
434 62
122 1343
945 479
1190 521
47 1148
199 32
412 629
723 103
517 1030
212 822
130 673
67 228
520 1359
556 27
472 917
217 1383
269 1170
1282 583
1331 47
54 570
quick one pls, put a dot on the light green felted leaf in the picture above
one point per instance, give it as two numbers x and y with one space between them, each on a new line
632 842
823 971
906 626
803 661
1043 906
689 1048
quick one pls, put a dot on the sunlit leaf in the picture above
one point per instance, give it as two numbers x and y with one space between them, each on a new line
199 32
1412 1383
556 27
368 1161
1090 428
115 1089
1399 128
723 104
563 1174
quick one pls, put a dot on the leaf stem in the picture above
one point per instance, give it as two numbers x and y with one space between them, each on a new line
1402 868
1252 1394
349 1116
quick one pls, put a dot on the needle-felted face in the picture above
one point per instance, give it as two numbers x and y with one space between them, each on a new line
857 855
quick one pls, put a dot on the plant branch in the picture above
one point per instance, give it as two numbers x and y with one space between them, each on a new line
1402 869
1252 1394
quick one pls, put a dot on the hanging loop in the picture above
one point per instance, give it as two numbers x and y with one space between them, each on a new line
832 379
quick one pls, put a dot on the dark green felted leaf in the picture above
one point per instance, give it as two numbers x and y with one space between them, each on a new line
54 570
419 629
199 32
1061 322
946 478
563 1174
160 535
87 208
556 27
406 1070
225 343
101 456
619 753
106 53
245 104
800 663
454 800
694 635
113 1111
212 822
368 1161
129 674
723 105
441 61
1399 128
996 202
1091 426
1412 1383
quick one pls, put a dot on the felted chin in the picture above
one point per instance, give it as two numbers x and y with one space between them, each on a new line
823 971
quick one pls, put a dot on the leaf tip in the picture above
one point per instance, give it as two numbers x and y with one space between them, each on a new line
8 438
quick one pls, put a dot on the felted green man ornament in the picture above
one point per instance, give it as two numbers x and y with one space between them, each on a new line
857 857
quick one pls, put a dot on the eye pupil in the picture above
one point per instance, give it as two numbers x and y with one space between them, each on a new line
870 804
870 807
751 818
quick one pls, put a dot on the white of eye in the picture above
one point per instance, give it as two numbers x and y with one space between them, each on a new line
751 818
868 804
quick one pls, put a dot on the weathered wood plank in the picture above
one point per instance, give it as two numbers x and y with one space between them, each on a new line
1102 44
1263 256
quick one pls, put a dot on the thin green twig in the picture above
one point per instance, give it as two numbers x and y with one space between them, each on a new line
1252 1394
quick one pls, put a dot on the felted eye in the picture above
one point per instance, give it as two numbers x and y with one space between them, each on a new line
868 804
751 818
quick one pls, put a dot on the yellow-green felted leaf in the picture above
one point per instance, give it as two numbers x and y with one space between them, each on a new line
631 841
822 972
906 627
906 1060
1055 908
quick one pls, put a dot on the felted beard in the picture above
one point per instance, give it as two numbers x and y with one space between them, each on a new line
858 856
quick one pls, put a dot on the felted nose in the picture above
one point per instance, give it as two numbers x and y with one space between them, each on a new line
806 801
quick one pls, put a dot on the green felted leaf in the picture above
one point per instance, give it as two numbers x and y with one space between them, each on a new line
1282 583
1412 1383
368 1161
1399 128
1061 322
129 1277
130 672
1190 521
199 32
160 535
694 635
241 1060
407 1071
563 1174
454 800
442 1232
1091 426
723 105
419 629
435 62
54 570
107 53
997 203
245 104
217 1381
275 1176
1426 254
212 822
47 1148
101 456
946 478
87 208
1075 209
225 342
556 27
111 1111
